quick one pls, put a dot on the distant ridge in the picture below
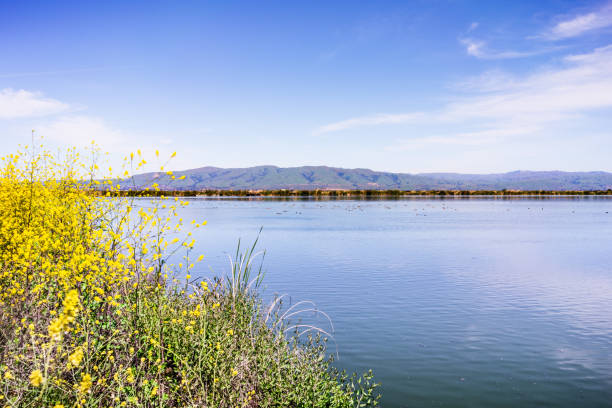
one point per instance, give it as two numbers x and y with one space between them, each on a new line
323 177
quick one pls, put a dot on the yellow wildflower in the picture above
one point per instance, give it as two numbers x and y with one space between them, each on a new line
85 384
36 378
76 357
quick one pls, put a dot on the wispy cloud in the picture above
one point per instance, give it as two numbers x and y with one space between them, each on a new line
528 104
479 49
474 138
490 81
381 119
581 24
80 131
25 104
473 47
582 83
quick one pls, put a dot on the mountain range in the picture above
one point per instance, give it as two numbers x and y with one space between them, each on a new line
323 177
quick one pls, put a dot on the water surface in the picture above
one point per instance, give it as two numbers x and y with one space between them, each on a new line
480 302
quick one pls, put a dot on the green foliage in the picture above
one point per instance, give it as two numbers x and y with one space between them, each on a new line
93 315
221 350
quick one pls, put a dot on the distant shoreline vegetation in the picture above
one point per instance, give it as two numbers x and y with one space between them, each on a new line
351 193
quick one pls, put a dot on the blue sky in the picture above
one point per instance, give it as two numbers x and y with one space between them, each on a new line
421 86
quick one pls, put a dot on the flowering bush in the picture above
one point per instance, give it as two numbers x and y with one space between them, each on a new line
92 313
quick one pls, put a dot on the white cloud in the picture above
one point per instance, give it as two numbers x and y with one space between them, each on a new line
581 24
530 104
80 131
583 83
473 138
489 81
60 127
478 49
382 119
473 26
472 47
24 104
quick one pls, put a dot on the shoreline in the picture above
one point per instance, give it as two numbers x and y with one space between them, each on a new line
359 194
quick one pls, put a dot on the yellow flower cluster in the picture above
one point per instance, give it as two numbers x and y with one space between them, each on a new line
76 258
36 378
85 384
75 358
60 323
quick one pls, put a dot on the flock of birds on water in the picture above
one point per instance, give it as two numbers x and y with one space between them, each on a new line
296 208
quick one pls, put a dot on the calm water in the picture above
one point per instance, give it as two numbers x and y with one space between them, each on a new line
452 303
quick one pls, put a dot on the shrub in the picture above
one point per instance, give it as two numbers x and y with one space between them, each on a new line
92 312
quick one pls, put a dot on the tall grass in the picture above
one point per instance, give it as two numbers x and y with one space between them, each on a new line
241 279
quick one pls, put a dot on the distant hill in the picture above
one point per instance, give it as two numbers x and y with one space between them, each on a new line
323 177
